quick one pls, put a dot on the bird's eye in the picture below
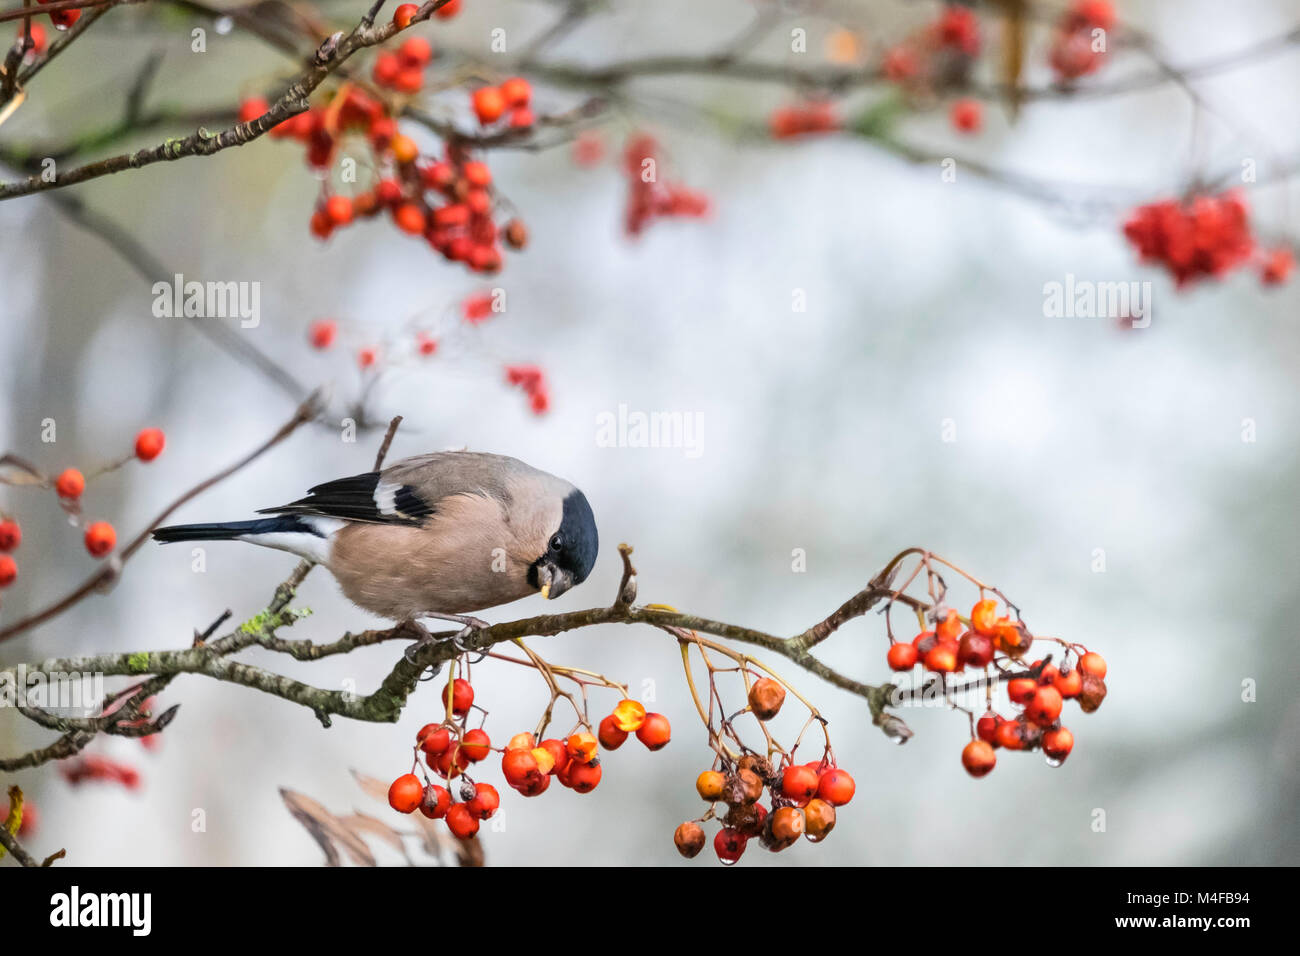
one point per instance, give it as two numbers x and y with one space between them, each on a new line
557 543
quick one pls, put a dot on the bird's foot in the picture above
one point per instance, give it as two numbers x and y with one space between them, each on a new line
470 625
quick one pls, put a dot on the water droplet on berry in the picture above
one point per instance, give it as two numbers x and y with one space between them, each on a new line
1054 761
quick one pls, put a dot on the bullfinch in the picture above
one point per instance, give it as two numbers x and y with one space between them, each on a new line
437 535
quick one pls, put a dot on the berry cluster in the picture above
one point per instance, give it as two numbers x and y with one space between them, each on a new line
941 52
648 198
1206 236
451 749
532 380
511 99
419 341
1074 52
803 798
987 639
403 71
99 537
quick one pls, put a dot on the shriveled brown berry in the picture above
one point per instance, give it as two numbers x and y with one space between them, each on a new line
746 787
689 839
766 698
759 765
516 234
818 820
1092 693
747 818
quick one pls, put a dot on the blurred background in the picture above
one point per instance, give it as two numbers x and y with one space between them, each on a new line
823 430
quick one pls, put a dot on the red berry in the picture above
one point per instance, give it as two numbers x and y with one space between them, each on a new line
406 793
100 538
975 649
367 356
519 766
462 697
476 745
729 844
942 658
611 737
583 778
516 91
425 344
415 51
902 657
461 820
8 570
251 108
836 787
486 801
149 444
435 802
339 209
1020 689
978 758
11 535
70 484
322 332
488 104
410 218
655 732
799 784
986 728
403 14
433 739
447 10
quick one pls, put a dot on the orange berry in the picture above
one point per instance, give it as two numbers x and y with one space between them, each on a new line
517 91
1020 689
477 174
689 839
8 570
410 217
902 657
545 759
70 484
710 785
766 698
100 539
406 793
942 658
983 617
516 234
611 737
447 10
629 715
1070 683
524 741
582 747
655 732
488 104
1057 744
149 444
416 51
519 767
403 14
836 787
1044 706
950 628
461 821
339 209
818 820
1093 664
11 535
555 750
978 758
462 697
1008 735
787 827
404 148
1011 636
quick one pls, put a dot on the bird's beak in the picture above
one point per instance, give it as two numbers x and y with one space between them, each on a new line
554 580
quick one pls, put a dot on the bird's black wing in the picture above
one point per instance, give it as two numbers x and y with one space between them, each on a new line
367 498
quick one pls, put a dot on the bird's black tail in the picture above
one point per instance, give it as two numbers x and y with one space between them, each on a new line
230 530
